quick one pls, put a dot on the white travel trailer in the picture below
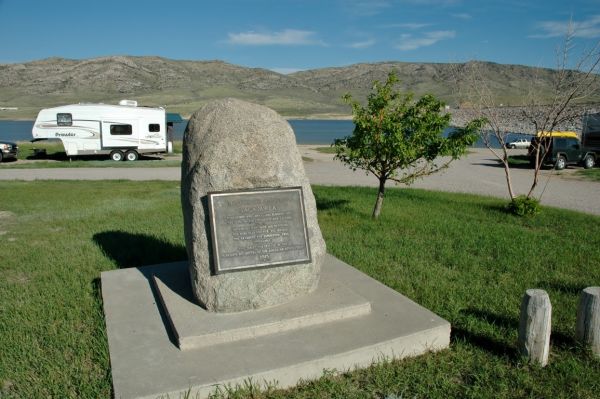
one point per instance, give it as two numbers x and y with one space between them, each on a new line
124 131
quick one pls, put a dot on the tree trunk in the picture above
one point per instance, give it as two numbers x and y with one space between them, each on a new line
508 177
536 171
379 202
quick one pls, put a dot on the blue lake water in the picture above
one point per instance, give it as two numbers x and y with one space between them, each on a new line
307 131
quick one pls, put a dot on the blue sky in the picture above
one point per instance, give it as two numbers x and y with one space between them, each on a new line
289 35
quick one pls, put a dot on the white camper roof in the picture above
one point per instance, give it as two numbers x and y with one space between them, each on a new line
95 111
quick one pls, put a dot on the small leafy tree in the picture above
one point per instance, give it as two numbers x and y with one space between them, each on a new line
398 139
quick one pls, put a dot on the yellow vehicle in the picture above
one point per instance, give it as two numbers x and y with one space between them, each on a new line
560 149
565 134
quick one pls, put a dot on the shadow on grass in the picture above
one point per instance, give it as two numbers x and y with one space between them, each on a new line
563 341
499 209
558 339
62 156
484 342
324 204
53 156
492 318
561 286
135 250
493 346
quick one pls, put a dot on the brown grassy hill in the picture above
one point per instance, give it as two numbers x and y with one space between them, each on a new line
183 86
508 82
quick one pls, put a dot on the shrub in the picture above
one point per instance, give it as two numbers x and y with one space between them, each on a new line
524 206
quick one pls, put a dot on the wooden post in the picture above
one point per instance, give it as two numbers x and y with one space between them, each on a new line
535 325
587 329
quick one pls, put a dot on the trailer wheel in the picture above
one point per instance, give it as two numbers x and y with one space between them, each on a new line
131 155
116 155
0 156
589 162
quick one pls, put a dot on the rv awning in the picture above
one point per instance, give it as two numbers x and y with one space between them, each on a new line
175 118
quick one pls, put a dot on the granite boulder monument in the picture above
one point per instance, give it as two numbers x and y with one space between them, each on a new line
250 218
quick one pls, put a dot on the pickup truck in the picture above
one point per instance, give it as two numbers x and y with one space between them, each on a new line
520 143
8 150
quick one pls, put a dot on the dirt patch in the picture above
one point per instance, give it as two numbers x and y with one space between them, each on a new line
17 277
6 215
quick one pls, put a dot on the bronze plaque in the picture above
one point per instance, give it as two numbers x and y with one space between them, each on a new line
258 228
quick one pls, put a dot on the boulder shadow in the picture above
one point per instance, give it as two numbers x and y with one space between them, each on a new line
136 250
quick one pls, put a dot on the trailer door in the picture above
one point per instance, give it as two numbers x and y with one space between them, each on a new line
120 133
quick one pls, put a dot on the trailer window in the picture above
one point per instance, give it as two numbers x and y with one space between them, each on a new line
64 119
120 130
154 127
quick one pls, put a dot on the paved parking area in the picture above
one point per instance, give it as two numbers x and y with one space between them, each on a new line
478 173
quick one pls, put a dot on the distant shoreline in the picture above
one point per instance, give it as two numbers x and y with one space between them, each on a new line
324 117
511 118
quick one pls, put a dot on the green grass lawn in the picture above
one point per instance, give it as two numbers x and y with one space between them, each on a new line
461 256
519 161
590 174
326 150
96 163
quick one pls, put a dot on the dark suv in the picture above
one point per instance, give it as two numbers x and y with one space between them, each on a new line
8 150
562 151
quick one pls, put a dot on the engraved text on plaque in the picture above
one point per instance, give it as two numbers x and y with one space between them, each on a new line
258 228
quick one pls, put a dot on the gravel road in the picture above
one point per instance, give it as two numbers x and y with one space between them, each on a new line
477 173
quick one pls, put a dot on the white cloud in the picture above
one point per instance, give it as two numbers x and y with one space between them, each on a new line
461 15
284 37
362 44
409 42
587 29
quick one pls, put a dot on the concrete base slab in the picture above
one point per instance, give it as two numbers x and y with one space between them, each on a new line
146 361
194 327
